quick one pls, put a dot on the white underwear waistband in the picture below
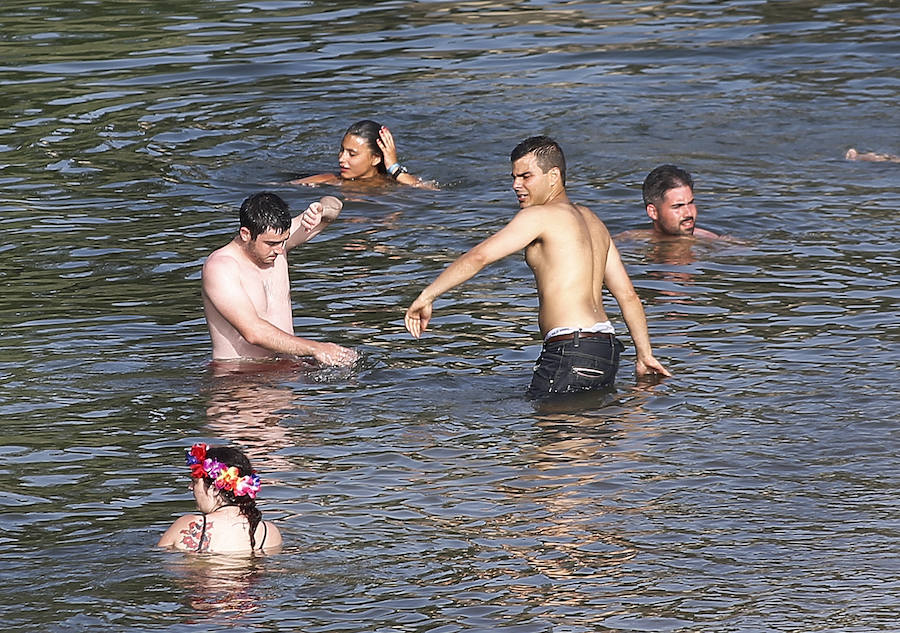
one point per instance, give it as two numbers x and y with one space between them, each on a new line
599 326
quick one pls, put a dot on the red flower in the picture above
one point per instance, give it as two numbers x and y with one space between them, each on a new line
198 451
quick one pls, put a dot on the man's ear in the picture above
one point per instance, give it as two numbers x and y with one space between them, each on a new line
555 175
244 232
652 212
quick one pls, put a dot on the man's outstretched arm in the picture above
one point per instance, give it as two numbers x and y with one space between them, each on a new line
519 233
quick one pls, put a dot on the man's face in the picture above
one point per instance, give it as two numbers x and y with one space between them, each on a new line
355 159
531 184
676 214
267 246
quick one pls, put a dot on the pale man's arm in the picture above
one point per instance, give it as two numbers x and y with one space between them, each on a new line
313 221
222 288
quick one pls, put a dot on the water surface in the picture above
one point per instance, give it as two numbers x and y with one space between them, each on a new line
754 491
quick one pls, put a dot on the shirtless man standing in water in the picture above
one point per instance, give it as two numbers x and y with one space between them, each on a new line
246 289
572 257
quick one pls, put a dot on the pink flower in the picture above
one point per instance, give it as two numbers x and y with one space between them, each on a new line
248 485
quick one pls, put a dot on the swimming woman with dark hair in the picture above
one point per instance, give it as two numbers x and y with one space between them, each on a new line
367 153
224 486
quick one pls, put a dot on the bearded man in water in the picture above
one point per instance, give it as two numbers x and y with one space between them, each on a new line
668 193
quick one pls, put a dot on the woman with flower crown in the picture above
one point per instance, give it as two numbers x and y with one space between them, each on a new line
224 486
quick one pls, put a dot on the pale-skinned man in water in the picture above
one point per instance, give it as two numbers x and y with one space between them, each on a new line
572 257
246 288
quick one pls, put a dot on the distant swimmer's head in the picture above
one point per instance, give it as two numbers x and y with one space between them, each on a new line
538 170
360 156
668 193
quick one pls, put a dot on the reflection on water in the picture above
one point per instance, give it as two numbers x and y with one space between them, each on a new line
674 266
752 491
575 541
248 410
222 586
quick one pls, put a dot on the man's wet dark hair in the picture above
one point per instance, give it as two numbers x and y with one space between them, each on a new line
245 503
547 152
263 211
661 180
369 131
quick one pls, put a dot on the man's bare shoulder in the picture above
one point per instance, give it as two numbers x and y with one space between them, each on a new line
557 207
585 210
557 215
221 261
633 235
703 234
593 220
549 215
656 236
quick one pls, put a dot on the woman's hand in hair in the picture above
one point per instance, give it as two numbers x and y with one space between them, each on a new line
386 145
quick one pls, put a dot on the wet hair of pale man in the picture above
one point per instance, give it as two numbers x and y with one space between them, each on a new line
547 152
263 211
661 180
369 132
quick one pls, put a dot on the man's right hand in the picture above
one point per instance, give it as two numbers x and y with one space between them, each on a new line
649 366
334 355
417 317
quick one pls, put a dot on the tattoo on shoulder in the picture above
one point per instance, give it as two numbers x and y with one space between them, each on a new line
192 534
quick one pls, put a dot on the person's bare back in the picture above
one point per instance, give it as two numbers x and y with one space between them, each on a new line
568 262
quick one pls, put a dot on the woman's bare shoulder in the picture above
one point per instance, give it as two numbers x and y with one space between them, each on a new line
318 179
182 528
272 535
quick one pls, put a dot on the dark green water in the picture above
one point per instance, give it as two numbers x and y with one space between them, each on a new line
754 491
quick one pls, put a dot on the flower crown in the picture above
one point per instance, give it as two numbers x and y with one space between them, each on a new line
224 476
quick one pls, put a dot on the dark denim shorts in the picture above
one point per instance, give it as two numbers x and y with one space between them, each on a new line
579 364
